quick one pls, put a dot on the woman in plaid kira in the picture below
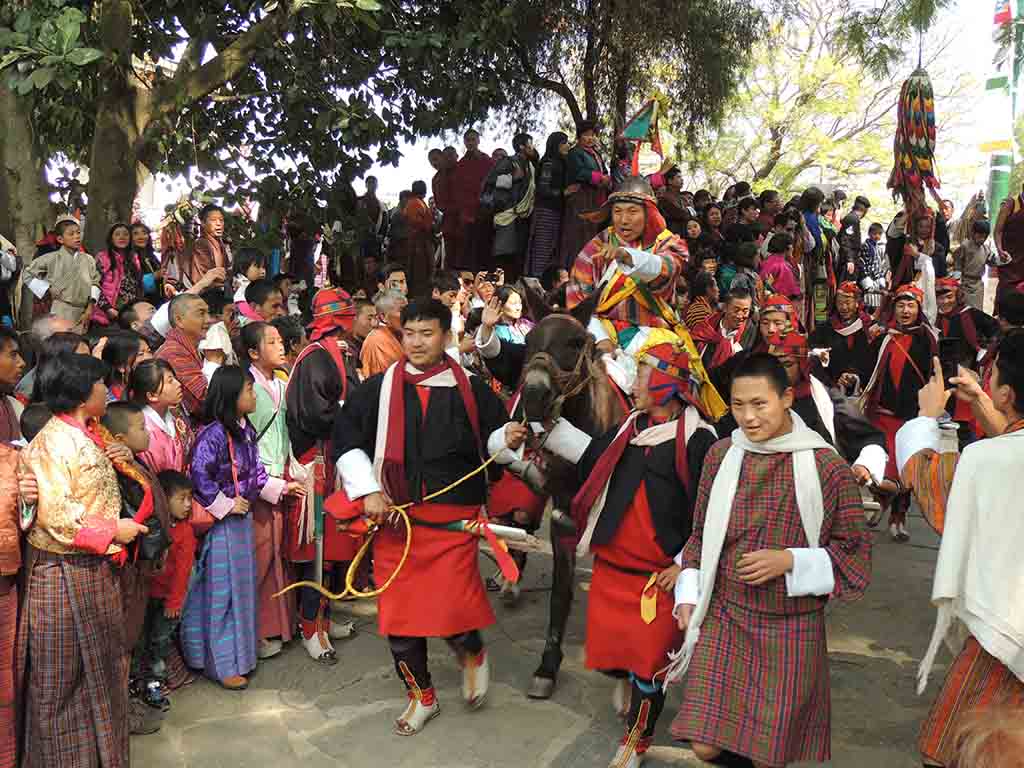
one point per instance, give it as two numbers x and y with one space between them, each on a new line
777 531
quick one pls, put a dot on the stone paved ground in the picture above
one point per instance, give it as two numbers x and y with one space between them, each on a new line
299 714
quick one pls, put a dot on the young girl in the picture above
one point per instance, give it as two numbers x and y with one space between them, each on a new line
142 247
264 348
250 265
122 352
219 619
153 386
120 275
512 327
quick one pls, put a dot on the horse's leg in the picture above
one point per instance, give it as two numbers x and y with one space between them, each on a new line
562 585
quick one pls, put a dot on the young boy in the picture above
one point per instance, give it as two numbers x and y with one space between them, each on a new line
777 531
167 592
872 271
970 260
68 276
125 423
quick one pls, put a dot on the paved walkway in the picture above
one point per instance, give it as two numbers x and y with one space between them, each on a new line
299 714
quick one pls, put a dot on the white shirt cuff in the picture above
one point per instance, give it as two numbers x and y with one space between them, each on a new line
356 472
273 490
497 447
94 293
38 287
595 327
915 436
161 320
874 459
492 348
221 506
812 573
567 441
646 265
687 589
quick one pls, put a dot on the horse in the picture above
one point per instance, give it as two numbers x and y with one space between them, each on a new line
563 375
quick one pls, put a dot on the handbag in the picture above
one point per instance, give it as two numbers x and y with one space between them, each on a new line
201 519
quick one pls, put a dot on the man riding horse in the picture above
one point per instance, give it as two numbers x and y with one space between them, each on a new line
629 273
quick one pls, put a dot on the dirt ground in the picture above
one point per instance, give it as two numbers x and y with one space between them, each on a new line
297 713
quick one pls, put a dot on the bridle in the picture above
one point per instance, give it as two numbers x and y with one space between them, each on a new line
568 383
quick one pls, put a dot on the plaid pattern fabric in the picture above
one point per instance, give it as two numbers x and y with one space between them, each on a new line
977 679
72 664
8 727
758 684
187 363
595 258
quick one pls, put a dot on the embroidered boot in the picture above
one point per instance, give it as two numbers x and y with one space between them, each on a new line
630 755
423 708
476 678
317 643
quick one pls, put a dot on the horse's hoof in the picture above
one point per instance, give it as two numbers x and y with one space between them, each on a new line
541 688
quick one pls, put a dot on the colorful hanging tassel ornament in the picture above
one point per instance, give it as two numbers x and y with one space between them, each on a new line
914 145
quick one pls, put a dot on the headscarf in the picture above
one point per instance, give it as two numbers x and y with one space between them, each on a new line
670 372
793 344
333 308
555 140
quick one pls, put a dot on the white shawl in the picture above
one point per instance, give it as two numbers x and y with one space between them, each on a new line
801 442
979 576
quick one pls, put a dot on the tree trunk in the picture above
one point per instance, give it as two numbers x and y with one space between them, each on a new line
123 112
27 194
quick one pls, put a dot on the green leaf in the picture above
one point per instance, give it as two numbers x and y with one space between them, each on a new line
68 32
42 77
23 22
9 59
24 86
81 57
368 5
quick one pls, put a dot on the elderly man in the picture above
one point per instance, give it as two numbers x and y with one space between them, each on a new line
630 271
383 345
189 317
42 329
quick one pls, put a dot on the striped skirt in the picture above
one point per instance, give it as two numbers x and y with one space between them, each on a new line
72 664
977 679
545 239
758 686
8 629
218 623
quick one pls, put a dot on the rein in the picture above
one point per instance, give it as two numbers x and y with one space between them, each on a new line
569 383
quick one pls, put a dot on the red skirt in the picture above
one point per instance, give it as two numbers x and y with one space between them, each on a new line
890 425
439 591
510 494
339 546
617 637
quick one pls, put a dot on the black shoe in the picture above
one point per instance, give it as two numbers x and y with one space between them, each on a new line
143 720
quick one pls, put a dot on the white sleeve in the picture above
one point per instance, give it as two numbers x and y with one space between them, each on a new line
497 447
687 591
161 320
356 472
812 573
874 459
492 348
94 293
915 436
568 442
597 330
646 265
38 286
504 181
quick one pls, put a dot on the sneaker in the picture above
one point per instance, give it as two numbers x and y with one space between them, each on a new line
143 720
155 696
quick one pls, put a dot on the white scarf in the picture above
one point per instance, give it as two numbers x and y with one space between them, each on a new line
653 435
979 579
801 442
852 328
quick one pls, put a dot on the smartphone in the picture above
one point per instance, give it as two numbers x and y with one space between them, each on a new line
949 357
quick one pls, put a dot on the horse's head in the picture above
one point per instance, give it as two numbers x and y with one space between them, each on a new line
555 352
